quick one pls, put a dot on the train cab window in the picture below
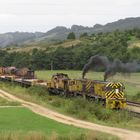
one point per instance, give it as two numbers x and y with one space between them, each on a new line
107 88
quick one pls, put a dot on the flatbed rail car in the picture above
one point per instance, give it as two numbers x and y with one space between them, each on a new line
110 93
24 73
23 82
24 76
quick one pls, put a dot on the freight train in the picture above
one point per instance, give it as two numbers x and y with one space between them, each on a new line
111 94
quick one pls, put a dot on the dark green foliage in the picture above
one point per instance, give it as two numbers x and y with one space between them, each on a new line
84 35
39 90
136 97
112 44
57 103
71 36
39 59
134 53
63 58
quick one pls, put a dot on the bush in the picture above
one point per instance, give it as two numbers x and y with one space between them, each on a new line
75 105
136 97
38 90
83 114
57 102
71 36
103 114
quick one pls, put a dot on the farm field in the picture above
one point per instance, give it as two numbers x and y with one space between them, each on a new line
21 119
21 123
131 82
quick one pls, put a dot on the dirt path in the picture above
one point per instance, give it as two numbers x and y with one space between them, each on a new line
122 133
1 95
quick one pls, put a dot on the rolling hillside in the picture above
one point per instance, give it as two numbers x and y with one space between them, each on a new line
44 46
18 39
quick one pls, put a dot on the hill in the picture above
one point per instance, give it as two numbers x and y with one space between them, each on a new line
60 33
16 38
122 24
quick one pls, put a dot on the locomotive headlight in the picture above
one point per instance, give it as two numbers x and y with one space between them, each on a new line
116 90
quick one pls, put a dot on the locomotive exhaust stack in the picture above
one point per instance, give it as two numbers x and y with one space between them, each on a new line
95 62
111 68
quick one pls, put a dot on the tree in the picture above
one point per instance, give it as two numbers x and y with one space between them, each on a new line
84 35
39 59
71 36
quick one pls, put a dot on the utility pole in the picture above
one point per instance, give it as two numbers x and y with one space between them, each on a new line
51 65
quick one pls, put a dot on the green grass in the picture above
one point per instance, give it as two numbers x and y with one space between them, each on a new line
21 119
45 75
76 107
4 102
131 82
21 123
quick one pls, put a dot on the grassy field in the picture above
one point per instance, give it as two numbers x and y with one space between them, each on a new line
75 107
21 119
4 102
21 124
131 82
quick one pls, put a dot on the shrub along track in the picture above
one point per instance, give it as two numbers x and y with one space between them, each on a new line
122 133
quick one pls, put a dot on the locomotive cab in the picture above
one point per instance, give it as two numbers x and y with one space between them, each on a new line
115 95
58 83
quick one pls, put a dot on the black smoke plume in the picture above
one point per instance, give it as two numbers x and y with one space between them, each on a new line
111 68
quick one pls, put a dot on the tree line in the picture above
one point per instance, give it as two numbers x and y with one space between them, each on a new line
112 44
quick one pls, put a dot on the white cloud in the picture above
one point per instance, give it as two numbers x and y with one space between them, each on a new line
41 15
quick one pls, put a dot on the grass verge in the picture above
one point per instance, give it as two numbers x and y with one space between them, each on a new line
76 107
4 102
26 125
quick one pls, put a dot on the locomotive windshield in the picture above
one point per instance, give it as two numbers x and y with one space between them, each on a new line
114 90
114 86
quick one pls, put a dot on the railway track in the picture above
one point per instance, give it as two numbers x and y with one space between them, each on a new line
133 103
135 114
133 108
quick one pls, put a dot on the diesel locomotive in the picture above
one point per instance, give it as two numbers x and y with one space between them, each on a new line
112 94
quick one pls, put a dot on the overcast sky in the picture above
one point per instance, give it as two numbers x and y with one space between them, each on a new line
42 15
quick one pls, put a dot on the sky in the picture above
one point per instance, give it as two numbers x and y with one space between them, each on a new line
43 15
